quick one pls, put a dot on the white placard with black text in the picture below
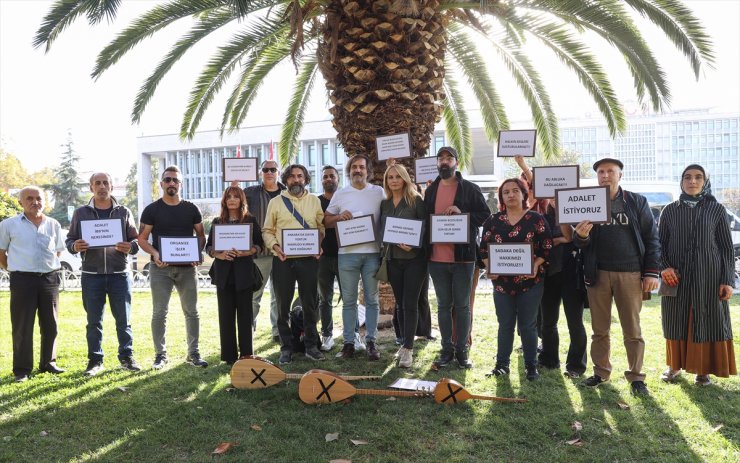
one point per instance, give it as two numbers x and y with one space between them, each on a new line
403 231
545 180
393 146
510 258
240 169
232 236
425 169
102 233
179 249
301 242
359 230
516 143
574 205
453 229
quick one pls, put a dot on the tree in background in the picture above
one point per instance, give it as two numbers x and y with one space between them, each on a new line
731 199
9 206
393 66
131 199
12 173
67 187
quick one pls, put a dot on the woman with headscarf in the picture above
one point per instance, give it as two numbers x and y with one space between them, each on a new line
698 266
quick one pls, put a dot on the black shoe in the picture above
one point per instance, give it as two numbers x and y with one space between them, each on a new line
276 339
128 363
52 368
160 360
93 368
594 381
314 354
444 359
196 360
348 351
21 378
462 360
399 341
532 373
372 351
499 370
286 357
639 388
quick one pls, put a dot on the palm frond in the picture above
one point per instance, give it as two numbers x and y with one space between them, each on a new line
61 15
288 146
457 127
466 54
201 29
681 27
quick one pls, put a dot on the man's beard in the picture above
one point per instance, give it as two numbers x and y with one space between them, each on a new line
171 191
330 187
296 189
446 172
358 179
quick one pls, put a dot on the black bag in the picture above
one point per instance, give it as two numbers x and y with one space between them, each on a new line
257 277
296 326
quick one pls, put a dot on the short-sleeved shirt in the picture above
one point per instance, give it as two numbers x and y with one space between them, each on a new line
169 220
31 248
359 203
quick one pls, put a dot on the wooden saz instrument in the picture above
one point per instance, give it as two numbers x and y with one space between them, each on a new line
324 387
252 372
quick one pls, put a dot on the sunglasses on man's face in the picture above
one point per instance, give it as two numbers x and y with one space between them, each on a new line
174 180
270 170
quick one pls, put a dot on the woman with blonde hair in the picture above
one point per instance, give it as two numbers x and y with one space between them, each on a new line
407 266
233 273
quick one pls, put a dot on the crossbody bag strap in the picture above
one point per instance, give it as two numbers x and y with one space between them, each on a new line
295 213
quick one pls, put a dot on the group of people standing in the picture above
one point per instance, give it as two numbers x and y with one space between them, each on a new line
617 262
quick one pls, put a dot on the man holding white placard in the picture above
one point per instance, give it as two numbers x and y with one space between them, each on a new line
172 216
105 271
295 208
451 265
357 199
621 263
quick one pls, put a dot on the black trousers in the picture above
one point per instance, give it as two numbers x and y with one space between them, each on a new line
424 322
407 278
285 275
559 287
234 322
31 293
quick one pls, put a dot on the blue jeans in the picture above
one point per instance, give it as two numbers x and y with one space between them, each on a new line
161 281
117 287
452 283
351 268
521 309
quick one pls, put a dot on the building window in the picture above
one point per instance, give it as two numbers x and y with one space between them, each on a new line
311 154
325 155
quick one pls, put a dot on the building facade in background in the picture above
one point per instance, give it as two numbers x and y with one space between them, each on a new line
654 148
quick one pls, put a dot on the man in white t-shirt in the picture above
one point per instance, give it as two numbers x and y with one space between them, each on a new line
359 198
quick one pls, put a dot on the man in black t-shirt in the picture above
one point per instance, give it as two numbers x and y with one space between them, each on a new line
172 216
328 267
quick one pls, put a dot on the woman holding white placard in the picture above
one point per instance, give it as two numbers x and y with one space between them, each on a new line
233 273
407 266
517 297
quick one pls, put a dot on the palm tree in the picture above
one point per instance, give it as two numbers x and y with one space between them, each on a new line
395 66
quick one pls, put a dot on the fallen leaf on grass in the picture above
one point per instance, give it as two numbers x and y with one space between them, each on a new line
43 434
576 442
340 461
223 447
576 426
435 367
596 419
255 427
391 398
623 406
358 441
122 388
230 389
718 427
607 432
331 436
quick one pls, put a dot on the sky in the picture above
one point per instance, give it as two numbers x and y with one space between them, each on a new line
45 96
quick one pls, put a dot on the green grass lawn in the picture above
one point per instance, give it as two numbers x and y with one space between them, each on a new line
182 413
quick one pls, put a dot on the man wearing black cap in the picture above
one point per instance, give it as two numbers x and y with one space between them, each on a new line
621 262
451 265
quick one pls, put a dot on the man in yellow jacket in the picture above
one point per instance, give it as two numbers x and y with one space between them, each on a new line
296 259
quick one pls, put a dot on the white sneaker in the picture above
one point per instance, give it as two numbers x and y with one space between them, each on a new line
327 342
405 358
359 342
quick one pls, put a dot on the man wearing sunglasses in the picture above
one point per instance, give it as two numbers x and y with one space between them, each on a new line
258 196
171 216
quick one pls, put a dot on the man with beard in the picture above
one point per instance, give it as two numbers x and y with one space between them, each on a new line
172 216
294 208
105 274
328 267
30 244
258 196
361 260
451 265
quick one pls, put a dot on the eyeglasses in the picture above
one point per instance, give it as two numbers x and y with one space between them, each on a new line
174 180
270 170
